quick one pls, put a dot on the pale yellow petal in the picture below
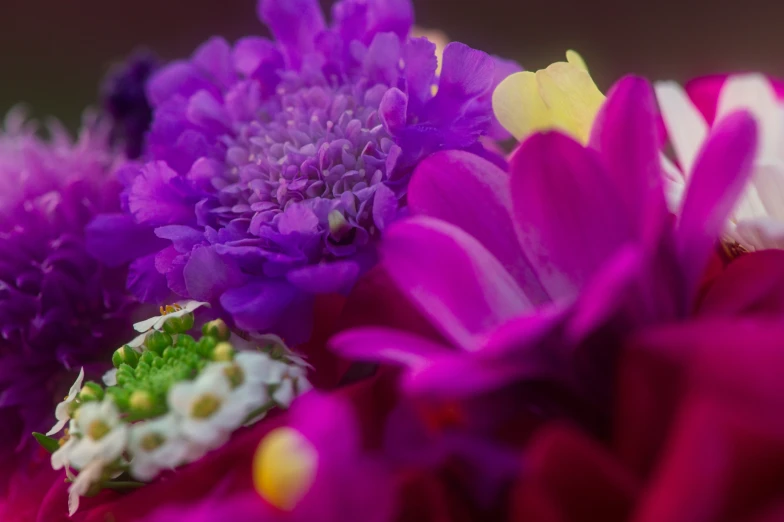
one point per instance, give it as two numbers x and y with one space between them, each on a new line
519 107
572 98
574 58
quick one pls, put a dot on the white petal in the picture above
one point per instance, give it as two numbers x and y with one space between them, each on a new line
57 427
284 395
760 234
113 443
753 92
685 125
77 386
110 378
190 306
138 340
769 181
61 457
181 396
146 325
205 433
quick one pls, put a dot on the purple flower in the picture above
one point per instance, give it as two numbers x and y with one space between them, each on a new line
59 309
124 99
273 166
540 274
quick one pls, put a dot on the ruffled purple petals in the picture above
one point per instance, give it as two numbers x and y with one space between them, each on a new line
207 274
419 56
426 256
382 60
719 175
258 59
145 282
214 59
159 197
177 79
295 24
116 239
325 278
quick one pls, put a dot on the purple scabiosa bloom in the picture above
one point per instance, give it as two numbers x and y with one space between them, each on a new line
59 309
124 99
541 273
272 166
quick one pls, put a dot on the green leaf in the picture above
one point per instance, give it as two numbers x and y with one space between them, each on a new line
48 443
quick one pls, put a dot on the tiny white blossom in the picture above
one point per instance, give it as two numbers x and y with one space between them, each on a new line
61 413
110 378
293 383
156 323
91 474
102 434
61 458
158 444
207 413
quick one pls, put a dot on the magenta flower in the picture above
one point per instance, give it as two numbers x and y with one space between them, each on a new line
273 166
541 273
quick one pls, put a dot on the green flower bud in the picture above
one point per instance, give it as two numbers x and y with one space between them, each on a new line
217 329
157 341
223 352
185 341
91 391
178 325
142 402
125 354
148 357
121 397
205 346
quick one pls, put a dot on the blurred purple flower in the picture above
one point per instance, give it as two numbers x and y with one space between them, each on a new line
124 99
59 309
272 167
540 274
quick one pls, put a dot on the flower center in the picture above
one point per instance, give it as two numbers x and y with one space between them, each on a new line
205 406
152 441
98 429
235 375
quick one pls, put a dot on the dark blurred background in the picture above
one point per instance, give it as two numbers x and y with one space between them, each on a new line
53 53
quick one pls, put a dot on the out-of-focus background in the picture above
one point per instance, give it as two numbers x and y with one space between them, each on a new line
53 53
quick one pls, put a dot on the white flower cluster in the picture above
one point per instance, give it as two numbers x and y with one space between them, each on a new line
202 414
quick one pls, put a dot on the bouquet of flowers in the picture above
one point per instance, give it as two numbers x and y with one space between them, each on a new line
357 272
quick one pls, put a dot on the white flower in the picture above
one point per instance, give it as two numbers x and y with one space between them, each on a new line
110 378
248 375
757 222
61 413
102 433
62 457
179 309
293 383
158 444
91 474
207 413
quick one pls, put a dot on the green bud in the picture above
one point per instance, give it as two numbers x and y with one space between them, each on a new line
73 407
217 329
173 326
205 345
142 402
125 354
158 363
185 341
121 397
91 391
223 352
148 357
157 341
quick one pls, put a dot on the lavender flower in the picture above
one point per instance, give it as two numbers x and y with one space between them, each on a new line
59 309
272 167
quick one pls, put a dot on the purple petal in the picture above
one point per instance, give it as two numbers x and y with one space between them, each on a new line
570 219
452 278
718 177
214 58
419 55
295 24
386 345
258 58
393 110
466 74
384 207
208 275
325 278
382 61
259 305
473 194
178 78
626 136
145 282
116 239
156 197
390 16
183 238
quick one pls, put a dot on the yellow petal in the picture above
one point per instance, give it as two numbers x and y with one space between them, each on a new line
574 58
571 97
519 107
284 467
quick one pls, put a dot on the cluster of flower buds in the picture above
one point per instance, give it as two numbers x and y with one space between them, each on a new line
169 399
